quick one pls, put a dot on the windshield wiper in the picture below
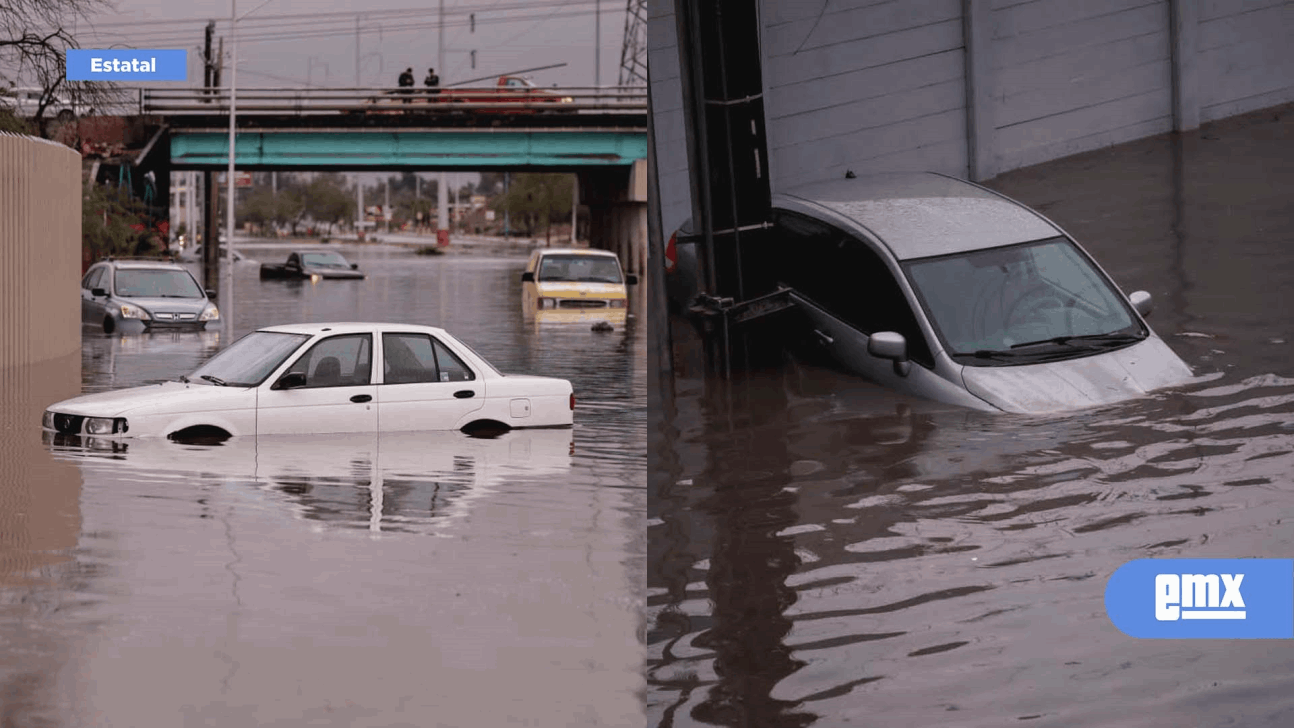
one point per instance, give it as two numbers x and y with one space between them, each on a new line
214 380
1110 338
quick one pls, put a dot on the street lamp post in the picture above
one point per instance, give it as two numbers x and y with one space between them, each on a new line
229 203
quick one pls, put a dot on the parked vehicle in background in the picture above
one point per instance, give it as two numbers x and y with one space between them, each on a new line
511 90
313 264
303 379
574 284
944 289
147 293
25 102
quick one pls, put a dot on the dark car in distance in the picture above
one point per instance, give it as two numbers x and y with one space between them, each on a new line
312 264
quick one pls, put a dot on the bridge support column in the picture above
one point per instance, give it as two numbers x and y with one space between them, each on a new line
617 202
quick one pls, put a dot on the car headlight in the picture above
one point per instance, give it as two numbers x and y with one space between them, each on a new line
616 303
567 100
105 425
210 314
548 303
134 312
47 420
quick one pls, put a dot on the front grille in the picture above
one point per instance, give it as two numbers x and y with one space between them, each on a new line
68 424
167 316
583 303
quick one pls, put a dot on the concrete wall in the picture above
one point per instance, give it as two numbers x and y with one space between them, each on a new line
1070 77
40 251
863 85
979 87
1245 56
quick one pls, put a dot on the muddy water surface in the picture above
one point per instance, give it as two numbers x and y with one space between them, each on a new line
826 554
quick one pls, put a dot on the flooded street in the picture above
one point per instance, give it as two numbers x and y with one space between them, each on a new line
825 553
419 579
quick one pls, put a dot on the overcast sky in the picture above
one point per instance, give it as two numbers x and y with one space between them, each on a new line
394 34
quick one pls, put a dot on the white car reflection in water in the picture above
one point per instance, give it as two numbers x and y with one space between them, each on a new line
396 481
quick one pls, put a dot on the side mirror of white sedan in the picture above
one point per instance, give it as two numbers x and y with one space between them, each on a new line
1140 300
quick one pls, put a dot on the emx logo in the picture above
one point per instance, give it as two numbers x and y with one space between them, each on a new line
1195 596
1203 598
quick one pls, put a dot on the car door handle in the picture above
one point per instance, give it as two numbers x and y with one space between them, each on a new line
465 393
362 398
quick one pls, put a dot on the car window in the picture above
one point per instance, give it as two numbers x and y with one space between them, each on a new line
846 277
995 299
338 361
408 358
579 269
248 361
452 369
325 260
156 283
91 280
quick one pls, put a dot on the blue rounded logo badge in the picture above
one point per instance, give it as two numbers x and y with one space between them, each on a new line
1203 598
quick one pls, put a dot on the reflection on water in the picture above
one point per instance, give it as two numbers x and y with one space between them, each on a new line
415 579
826 553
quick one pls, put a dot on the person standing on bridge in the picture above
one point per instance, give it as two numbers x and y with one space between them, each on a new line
432 81
406 82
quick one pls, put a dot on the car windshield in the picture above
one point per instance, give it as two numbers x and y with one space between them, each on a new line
156 283
324 260
248 361
579 268
1022 303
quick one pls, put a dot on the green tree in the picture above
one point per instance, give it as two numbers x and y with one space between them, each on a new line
109 221
537 199
327 199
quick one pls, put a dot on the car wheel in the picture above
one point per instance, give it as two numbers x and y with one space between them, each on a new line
109 325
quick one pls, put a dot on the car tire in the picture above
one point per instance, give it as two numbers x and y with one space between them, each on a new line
109 325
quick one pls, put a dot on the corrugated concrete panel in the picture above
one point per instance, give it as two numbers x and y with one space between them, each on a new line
1246 56
1061 92
872 84
40 251
667 114
883 149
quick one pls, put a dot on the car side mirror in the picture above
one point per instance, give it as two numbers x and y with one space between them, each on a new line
528 277
1140 300
354 266
890 345
98 292
291 380
631 280
211 293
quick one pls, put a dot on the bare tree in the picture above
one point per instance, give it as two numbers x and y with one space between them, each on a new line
35 36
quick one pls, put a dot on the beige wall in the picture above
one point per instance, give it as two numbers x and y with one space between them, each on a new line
40 251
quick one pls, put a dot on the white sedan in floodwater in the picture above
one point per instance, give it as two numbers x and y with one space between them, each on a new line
304 379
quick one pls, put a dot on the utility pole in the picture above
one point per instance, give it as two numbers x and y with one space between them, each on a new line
386 207
359 208
208 62
356 51
575 204
442 188
597 43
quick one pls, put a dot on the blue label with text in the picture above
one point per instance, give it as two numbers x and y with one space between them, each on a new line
1203 598
127 65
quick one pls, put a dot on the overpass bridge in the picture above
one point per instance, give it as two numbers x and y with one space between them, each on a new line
598 133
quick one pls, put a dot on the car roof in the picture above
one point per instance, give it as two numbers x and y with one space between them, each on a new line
146 264
350 327
917 215
576 251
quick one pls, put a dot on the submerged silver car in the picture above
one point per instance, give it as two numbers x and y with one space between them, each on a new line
117 293
944 289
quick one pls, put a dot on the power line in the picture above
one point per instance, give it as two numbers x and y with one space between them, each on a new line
276 35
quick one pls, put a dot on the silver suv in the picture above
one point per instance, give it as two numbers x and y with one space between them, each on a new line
116 293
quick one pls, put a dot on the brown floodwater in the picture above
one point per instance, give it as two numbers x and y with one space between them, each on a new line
825 553
420 579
